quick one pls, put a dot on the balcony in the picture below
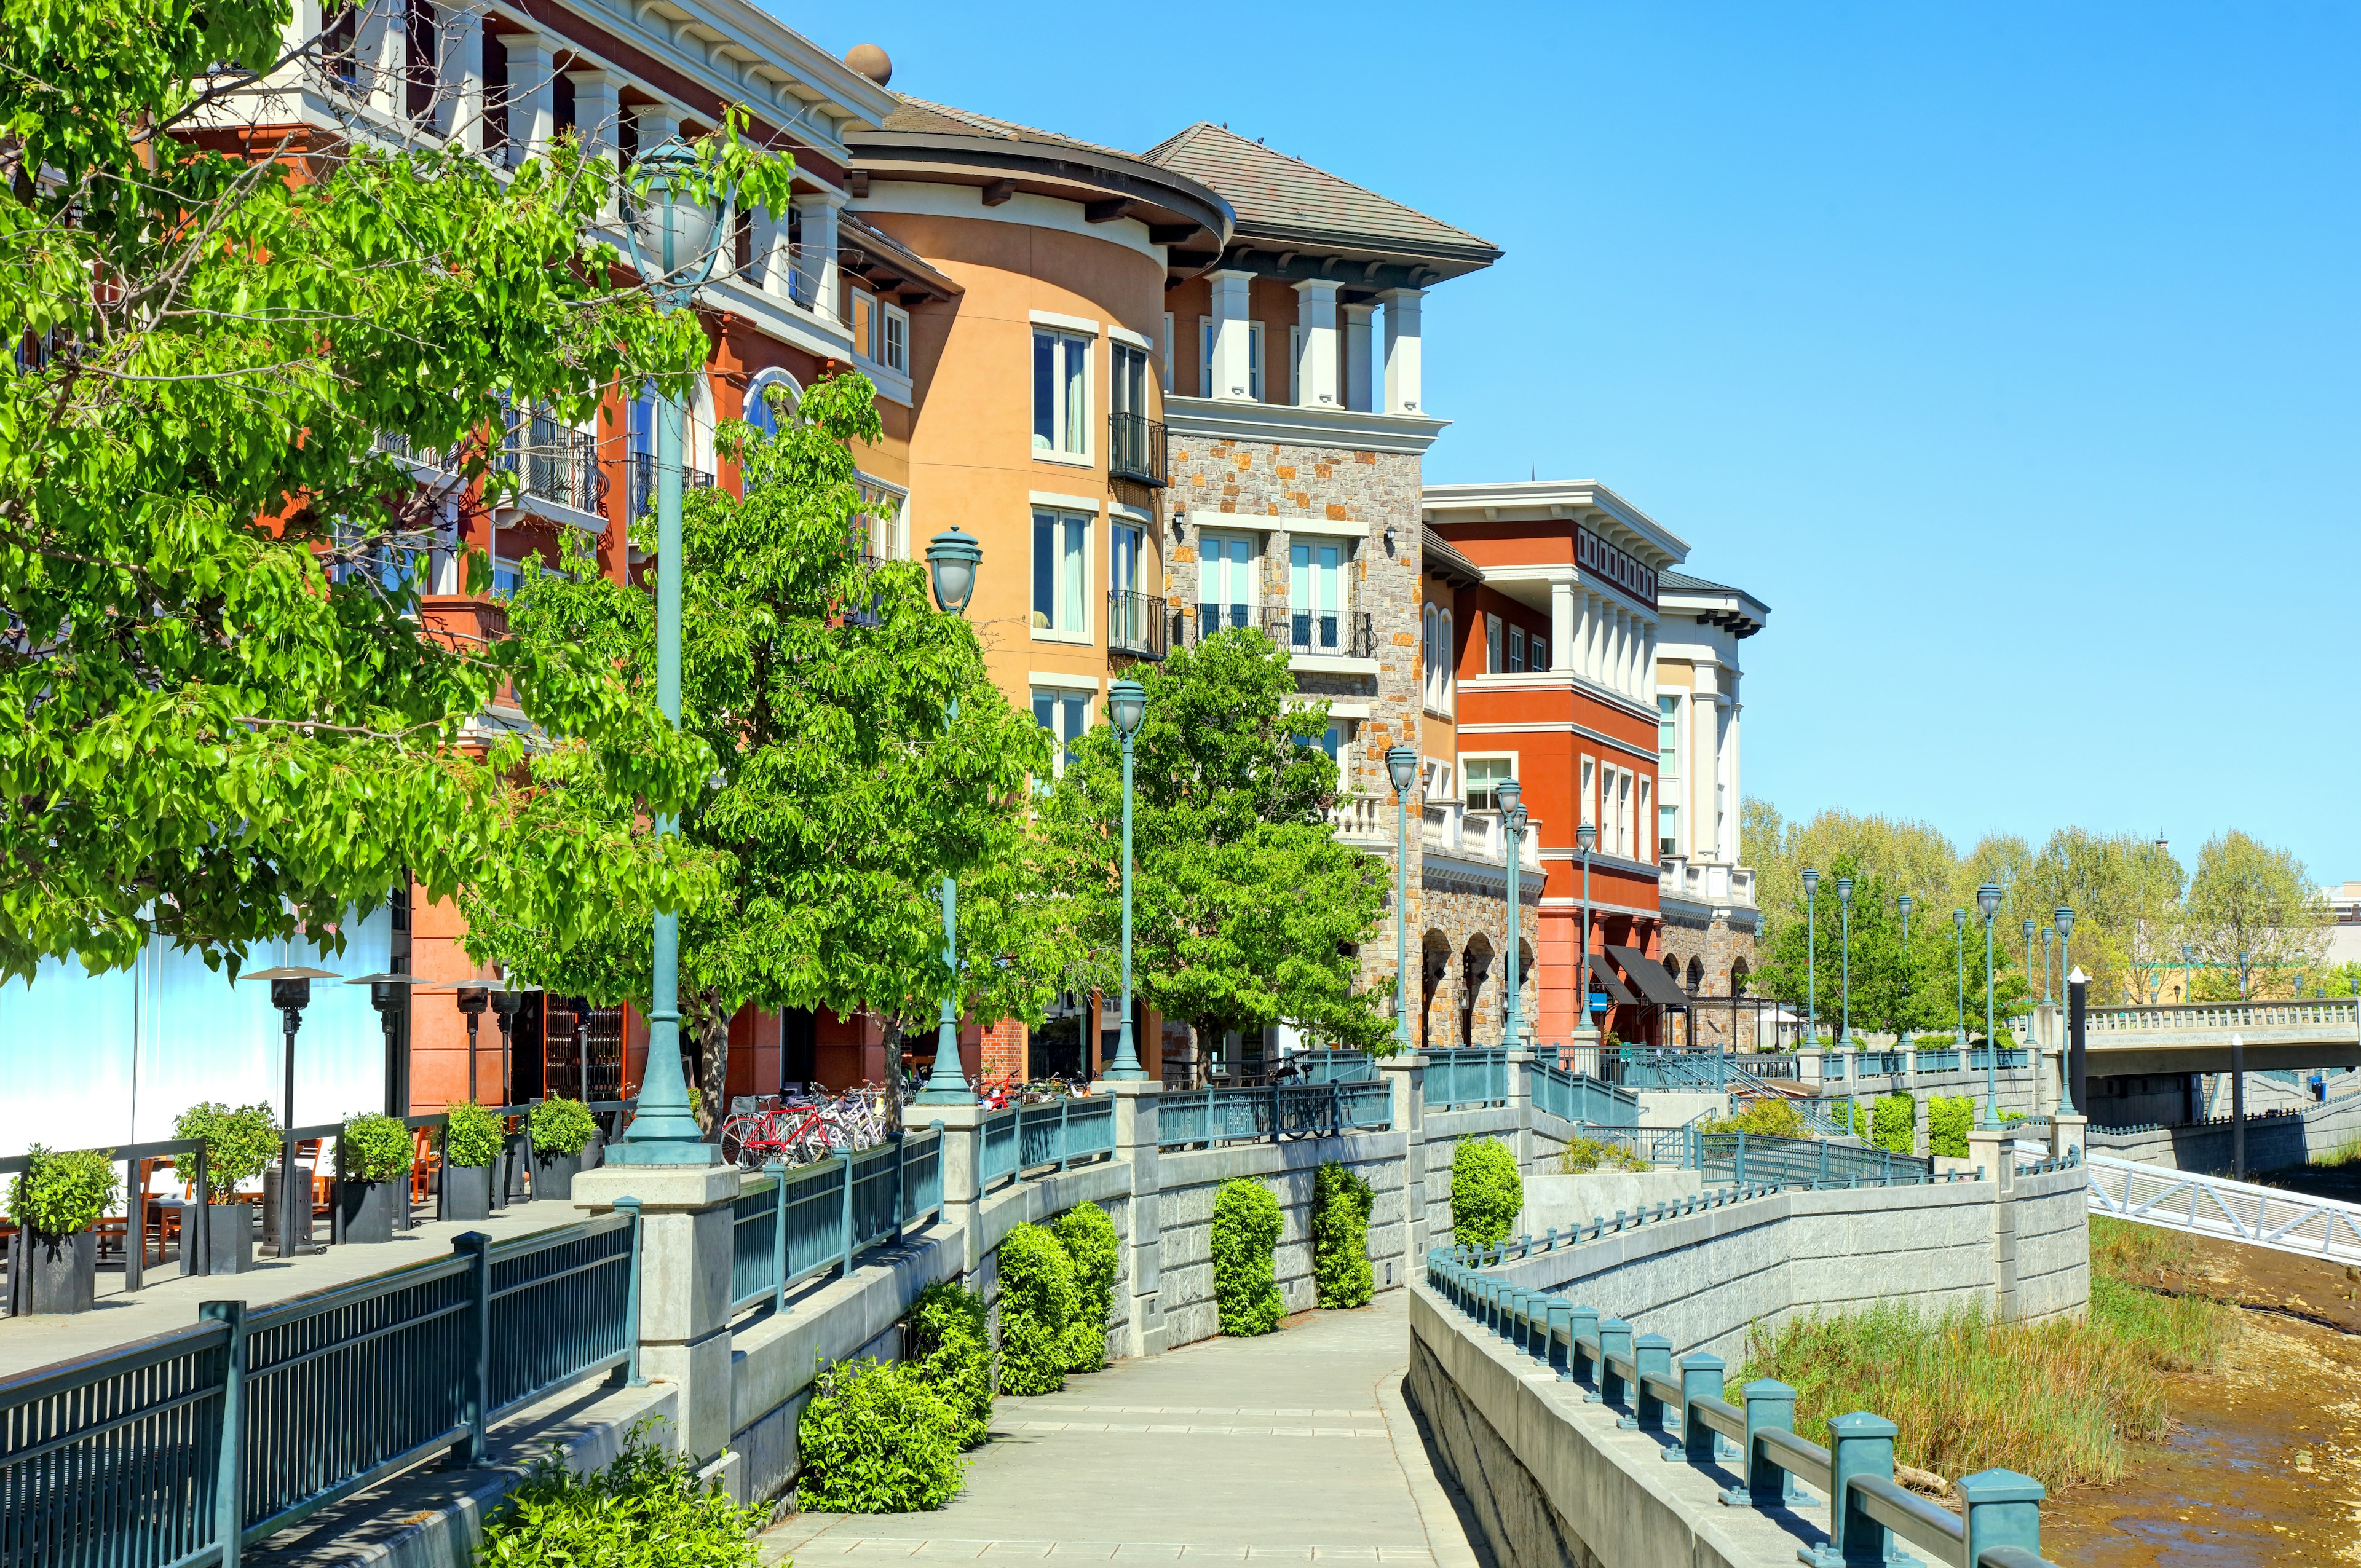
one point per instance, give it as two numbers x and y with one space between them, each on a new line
555 463
393 443
1209 618
1705 881
643 483
1337 634
1136 450
1137 624
1447 827
1366 819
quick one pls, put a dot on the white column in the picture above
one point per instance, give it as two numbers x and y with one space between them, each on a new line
379 51
1316 384
1619 649
818 265
1594 638
1727 805
1403 391
655 124
598 119
1233 376
1701 763
1360 389
1648 663
460 43
1561 631
532 96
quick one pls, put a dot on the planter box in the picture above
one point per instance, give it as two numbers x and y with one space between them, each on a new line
60 1272
516 1161
467 1192
367 1209
303 1208
554 1174
229 1237
594 1153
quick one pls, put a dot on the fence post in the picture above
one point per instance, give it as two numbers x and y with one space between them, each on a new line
1770 1407
1858 1444
1614 1345
1822 1179
473 1247
1560 1313
1652 1354
631 1376
845 1235
1065 1144
1700 1379
1740 1176
2004 1509
229 1482
1582 1345
779 1174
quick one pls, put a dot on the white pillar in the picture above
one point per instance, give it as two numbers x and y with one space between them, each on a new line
1360 389
1316 383
655 125
817 266
532 96
1726 806
460 46
1648 663
1618 652
1233 376
1402 365
379 51
598 119
1561 631
1594 639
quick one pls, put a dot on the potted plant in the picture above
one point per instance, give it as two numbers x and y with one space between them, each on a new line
239 1145
561 1130
373 1155
472 1142
57 1198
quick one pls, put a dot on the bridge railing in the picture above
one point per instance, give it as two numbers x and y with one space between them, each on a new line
2325 1012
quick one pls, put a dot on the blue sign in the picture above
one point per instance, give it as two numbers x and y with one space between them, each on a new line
1599 1002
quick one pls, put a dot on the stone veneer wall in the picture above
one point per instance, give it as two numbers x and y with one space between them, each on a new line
1719 944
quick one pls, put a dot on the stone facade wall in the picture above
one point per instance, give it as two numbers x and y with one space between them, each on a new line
1718 944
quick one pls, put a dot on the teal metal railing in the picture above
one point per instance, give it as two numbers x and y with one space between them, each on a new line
1578 1097
1211 1117
1740 1158
1666 1147
1338 1066
1475 1076
1052 1135
1942 1058
2010 1056
1870 1515
788 1225
181 1451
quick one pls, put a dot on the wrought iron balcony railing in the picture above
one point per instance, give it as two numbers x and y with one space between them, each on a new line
1210 618
1342 633
555 463
1137 623
643 482
1135 449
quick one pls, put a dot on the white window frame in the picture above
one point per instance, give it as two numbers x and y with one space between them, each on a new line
1662 849
894 334
1494 657
861 320
1059 695
763 382
1643 818
1253 600
1537 654
1588 801
1254 357
1064 513
1165 349
1468 765
1294 363
1516 650
1623 813
1678 715
1075 425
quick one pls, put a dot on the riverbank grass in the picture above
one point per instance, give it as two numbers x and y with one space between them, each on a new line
2063 1402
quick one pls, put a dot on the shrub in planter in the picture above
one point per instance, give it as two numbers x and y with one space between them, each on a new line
561 1129
1037 1311
57 1198
1769 1116
648 1507
1583 1156
1948 1118
1245 1235
1088 1236
473 1142
1341 1202
1486 1193
875 1439
950 1351
373 1156
240 1143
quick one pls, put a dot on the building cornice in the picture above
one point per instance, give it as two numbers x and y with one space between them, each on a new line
1582 501
1180 215
1289 424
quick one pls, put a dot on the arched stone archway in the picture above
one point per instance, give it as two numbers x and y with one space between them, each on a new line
1434 990
1476 972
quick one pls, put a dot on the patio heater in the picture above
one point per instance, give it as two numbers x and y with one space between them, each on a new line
290 992
472 1000
389 994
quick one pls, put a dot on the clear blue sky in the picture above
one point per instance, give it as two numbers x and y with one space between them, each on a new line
2009 354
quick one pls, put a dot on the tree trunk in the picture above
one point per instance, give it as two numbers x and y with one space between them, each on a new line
893 1035
705 1022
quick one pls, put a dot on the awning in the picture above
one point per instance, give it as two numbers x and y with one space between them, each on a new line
1603 977
1650 977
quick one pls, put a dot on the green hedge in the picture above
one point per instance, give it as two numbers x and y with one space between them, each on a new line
1486 1193
240 1144
1037 1310
875 1438
1769 1115
1341 1202
1088 1236
1246 1236
561 1126
63 1195
950 1351
374 1147
474 1137
648 1507
1583 1156
1948 1118
1891 1124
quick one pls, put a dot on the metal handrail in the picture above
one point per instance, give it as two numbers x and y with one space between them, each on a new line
643 497
1340 634
1136 450
1138 623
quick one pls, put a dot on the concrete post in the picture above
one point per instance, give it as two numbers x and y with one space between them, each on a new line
1406 1075
1521 1099
2003 1508
1135 1143
685 1265
1858 1444
964 1176
1991 1148
2066 1135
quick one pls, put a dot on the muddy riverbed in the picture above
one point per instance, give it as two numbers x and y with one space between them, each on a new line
2264 1464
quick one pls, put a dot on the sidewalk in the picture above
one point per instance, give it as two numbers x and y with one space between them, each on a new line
171 1298
1294 1447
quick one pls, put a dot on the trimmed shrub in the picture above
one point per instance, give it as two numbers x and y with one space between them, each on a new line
63 1195
374 1147
1948 1117
648 1507
1890 1124
950 1351
1486 1193
561 1126
240 1144
1341 1202
1246 1237
1583 1156
1037 1311
875 1438
1768 1116
1088 1236
474 1137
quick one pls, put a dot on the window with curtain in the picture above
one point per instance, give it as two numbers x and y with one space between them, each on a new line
1315 591
1060 562
1127 379
1061 378
1125 542
1226 591
1065 715
1668 735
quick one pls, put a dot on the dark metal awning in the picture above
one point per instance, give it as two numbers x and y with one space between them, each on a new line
1650 977
1603 977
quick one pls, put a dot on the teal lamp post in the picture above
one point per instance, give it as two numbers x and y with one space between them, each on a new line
671 233
1988 905
952 558
1585 838
1513 829
2064 919
1959 949
1402 767
1126 706
1811 955
1905 1031
1844 947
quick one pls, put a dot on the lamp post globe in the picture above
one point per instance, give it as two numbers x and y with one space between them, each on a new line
1401 770
1510 795
952 560
1127 709
1988 905
1811 955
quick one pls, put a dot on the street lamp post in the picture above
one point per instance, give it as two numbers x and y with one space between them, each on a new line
1811 956
1959 950
1510 795
1844 947
1126 706
1905 902
1988 903
952 558
1402 767
1585 838
471 1001
671 232
2062 919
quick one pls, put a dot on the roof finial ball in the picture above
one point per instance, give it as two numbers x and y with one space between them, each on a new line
871 61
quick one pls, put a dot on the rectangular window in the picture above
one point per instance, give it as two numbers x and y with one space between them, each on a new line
1062 369
1623 813
1127 382
1492 665
1668 831
1588 803
1315 596
1482 776
864 324
1516 650
1164 348
1640 817
1537 654
1225 591
1060 562
1295 365
1124 544
1205 358
1064 714
1254 360
1668 735
894 353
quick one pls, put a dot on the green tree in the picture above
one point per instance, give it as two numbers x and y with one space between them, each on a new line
1893 987
1906 857
222 724
2249 899
2126 891
843 793
1246 910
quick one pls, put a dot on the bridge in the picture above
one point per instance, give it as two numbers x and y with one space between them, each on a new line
2226 1210
2290 1036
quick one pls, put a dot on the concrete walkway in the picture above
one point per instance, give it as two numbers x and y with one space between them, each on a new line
1294 1447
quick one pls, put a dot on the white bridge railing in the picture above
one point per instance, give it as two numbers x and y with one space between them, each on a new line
2217 1206
2326 1014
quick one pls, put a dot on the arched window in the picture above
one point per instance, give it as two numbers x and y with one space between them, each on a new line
1696 979
767 409
1431 665
1445 653
1737 975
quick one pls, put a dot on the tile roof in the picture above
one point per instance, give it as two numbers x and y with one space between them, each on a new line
1683 580
1438 556
1274 193
919 115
